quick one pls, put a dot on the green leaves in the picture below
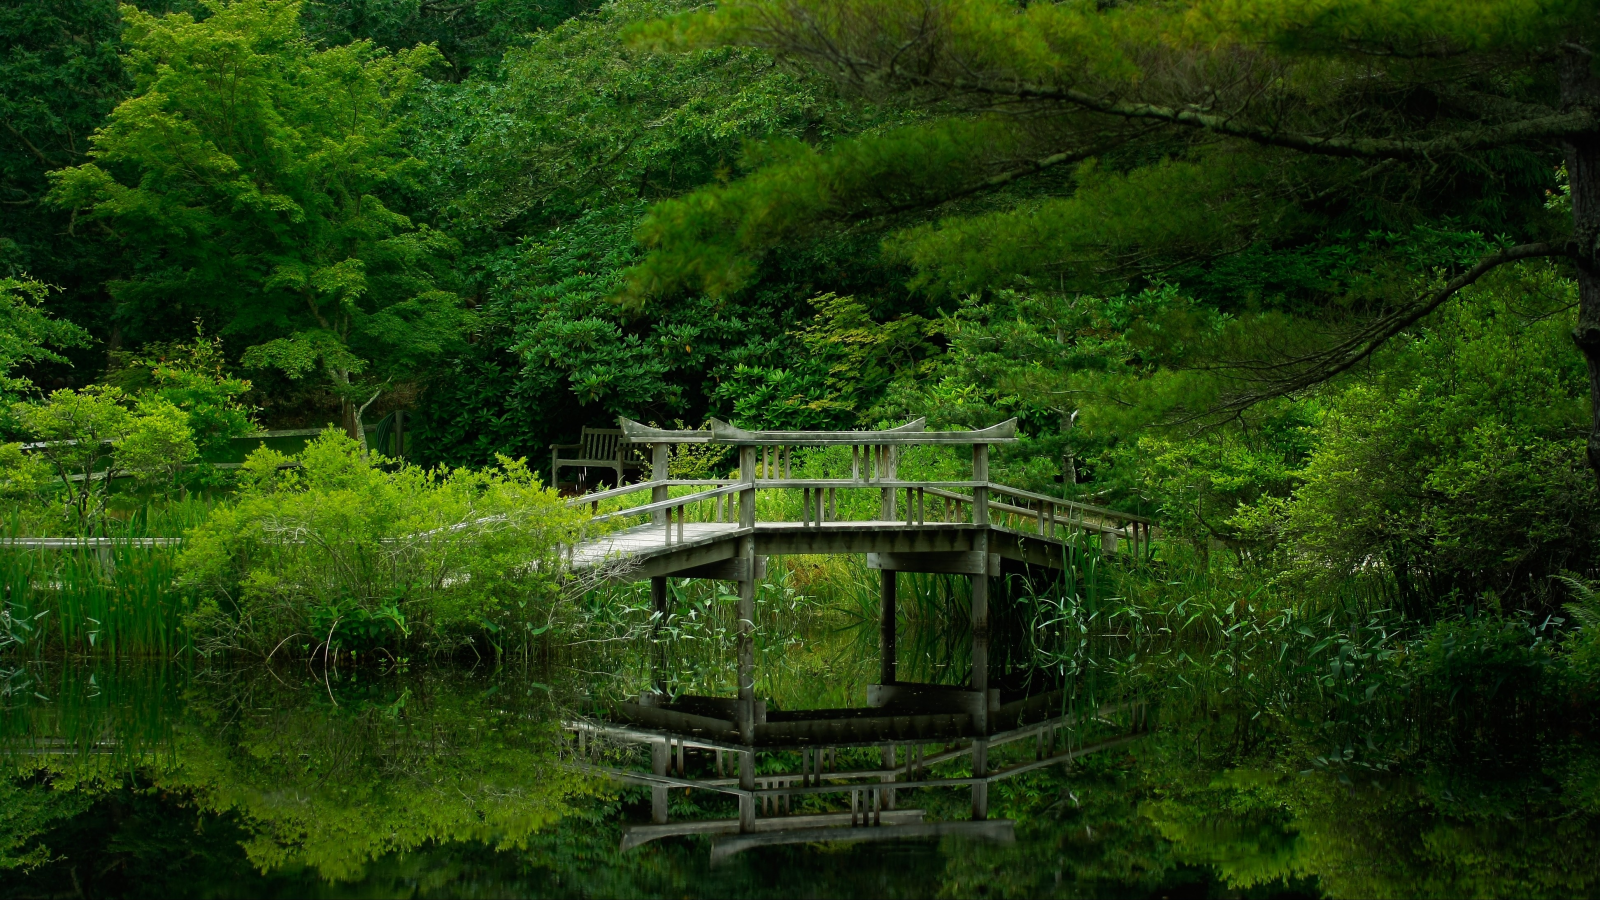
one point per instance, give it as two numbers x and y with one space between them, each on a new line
250 171
93 436
28 334
192 377
334 539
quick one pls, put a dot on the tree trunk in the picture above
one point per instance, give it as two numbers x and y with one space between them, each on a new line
1580 88
349 410
349 419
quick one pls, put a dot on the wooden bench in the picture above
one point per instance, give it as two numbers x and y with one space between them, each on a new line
599 448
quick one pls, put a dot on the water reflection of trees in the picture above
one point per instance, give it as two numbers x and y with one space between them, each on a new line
422 780
323 773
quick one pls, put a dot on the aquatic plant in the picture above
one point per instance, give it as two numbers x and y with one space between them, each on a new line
117 599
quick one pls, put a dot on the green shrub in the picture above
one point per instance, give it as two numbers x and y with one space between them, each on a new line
335 550
92 437
1456 465
194 378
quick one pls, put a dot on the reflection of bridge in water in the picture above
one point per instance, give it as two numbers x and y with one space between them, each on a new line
974 527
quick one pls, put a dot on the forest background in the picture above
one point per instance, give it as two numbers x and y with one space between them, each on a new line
514 219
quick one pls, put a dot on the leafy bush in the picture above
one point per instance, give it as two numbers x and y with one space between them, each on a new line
1456 466
94 436
335 550
27 333
194 378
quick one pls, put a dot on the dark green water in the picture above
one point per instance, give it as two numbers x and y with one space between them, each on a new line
172 780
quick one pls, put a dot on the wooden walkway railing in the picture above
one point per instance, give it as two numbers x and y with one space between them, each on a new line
768 458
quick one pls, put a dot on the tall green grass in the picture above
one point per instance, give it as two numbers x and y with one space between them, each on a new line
117 600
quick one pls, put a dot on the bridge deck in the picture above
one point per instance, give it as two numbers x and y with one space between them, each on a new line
697 549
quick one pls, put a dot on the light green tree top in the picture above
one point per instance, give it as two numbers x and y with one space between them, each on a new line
247 173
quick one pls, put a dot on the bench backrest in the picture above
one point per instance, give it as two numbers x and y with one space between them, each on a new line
600 443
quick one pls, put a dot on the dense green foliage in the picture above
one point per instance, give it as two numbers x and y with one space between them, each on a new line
252 167
339 553
1199 262
28 334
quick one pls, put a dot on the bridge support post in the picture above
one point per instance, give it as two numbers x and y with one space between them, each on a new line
887 617
980 790
980 585
747 782
746 640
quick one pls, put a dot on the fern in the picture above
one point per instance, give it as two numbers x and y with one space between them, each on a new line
1586 611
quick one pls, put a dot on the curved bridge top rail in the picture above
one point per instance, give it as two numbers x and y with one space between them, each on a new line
913 432
766 463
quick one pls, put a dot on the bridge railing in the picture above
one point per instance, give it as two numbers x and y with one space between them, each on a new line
766 464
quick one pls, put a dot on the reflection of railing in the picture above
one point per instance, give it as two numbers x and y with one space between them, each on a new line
874 792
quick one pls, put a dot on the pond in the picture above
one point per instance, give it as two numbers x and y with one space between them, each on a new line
421 779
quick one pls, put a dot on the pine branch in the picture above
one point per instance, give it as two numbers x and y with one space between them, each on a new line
1555 125
1287 377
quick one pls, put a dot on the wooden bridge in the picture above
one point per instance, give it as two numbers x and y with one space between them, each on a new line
710 528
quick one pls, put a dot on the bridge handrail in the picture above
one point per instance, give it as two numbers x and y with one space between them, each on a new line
1074 504
673 502
910 433
638 486
936 488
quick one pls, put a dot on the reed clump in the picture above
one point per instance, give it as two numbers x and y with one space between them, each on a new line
116 599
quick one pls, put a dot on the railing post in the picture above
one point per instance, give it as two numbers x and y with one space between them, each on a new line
747 497
891 466
658 473
658 793
980 474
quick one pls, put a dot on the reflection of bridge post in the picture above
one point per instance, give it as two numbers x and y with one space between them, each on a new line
660 758
886 627
890 457
980 630
658 585
746 639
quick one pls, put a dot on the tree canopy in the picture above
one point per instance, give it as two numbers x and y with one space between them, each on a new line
1154 137
246 174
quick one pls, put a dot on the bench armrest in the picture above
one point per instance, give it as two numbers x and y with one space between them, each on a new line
565 446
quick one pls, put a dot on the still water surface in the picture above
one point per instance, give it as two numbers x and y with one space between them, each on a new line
149 779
